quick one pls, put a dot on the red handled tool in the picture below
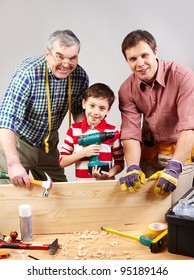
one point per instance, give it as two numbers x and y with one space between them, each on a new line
17 245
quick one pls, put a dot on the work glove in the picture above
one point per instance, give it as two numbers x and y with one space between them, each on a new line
167 178
133 179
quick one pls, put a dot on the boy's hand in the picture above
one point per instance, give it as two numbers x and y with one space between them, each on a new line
101 175
91 150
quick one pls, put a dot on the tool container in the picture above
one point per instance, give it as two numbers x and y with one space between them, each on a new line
180 221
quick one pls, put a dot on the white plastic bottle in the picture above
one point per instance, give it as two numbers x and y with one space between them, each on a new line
25 216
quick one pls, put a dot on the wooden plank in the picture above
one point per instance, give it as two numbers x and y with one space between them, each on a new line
79 206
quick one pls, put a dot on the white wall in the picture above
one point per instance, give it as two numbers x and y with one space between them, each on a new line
101 25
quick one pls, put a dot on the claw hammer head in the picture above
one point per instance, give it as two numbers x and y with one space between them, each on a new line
47 185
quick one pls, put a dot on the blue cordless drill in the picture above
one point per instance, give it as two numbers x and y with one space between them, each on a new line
96 138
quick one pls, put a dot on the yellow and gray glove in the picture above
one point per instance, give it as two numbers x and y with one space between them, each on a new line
132 179
167 179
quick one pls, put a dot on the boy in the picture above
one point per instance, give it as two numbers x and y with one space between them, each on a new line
97 103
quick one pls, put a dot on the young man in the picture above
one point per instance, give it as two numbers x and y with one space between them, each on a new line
97 103
157 131
34 107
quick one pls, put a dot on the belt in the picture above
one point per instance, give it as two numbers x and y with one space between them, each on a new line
27 142
150 154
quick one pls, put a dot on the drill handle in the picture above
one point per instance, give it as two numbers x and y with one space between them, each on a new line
93 159
3 175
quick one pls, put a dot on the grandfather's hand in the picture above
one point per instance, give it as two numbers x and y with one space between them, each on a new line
18 176
132 179
167 179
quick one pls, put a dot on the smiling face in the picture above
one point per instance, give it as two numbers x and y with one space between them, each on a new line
142 61
96 109
62 59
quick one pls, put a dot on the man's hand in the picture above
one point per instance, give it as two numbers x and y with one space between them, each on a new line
133 179
167 178
18 176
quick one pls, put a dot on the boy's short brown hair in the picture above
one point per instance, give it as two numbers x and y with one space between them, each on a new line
98 90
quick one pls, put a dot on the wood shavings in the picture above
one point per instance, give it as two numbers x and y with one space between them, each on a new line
100 254
109 254
127 255
125 252
86 235
94 232
93 245
81 253
81 246
103 233
113 244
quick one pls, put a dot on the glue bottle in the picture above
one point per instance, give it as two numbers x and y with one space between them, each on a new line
25 216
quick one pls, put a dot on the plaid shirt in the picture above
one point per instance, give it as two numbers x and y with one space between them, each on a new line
24 108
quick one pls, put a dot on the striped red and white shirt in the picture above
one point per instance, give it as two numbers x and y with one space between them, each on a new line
111 150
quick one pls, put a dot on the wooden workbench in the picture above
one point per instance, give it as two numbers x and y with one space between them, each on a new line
74 212
94 246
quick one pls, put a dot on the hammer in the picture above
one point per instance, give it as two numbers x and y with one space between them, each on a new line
47 185
52 248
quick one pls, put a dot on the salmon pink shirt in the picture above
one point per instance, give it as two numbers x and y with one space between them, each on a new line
163 108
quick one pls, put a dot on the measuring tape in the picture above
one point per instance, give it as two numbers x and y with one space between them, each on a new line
157 228
161 232
156 239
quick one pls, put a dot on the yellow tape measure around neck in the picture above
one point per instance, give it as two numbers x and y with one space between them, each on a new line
69 98
49 108
49 113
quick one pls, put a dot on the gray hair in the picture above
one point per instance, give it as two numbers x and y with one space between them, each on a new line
64 37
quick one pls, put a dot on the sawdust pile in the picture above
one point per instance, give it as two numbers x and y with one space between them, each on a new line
93 245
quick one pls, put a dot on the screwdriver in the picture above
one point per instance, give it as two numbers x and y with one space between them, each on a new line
145 239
